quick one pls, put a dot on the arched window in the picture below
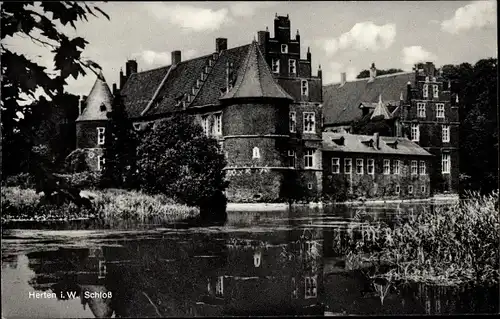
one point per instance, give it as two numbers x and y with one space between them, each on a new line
257 257
256 152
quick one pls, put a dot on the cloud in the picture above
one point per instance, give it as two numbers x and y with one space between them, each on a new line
152 58
363 36
248 9
415 54
190 17
476 15
189 54
332 70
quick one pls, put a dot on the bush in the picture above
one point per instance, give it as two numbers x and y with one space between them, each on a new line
76 162
176 159
22 180
449 245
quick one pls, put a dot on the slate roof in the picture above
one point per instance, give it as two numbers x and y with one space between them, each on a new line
341 102
353 144
99 95
255 79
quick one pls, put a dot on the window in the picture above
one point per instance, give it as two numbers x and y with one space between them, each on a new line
219 287
309 122
100 135
410 189
396 166
276 66
415 133
308 158
335 165
426 90
284 48
205 123
422 189
446 133
103 108
422 168
304 87
291 67
421 109
294 289
445 163
255 152
347 165
435 90
387 167
440 110
100 162
218 123
293 122
414 168
291 158
398 189
359 166
371 166
221 147
311 287
102 270
309 186
257 257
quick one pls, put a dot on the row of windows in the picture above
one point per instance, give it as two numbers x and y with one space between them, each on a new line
397 189
309 122
435 90
370 166
439 110
415 133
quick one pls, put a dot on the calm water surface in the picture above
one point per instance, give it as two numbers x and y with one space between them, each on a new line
258 263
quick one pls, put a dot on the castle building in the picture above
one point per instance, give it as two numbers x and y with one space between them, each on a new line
419 105
261 101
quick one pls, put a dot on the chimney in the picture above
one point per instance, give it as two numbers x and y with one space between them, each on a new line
373 73
408 91
376 139
130 67
309 54
176 57
114 88
430 69
343 78
297 36
122 79
320 72
261 35
220 44
81 104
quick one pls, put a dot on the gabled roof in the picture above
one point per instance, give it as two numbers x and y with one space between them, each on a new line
354 143
381 110
98 102
255 79
341 102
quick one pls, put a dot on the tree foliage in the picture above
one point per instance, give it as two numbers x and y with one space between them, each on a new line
366 73
175 158
476 87
22 78
120 148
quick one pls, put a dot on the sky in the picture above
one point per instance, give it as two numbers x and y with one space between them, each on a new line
343 36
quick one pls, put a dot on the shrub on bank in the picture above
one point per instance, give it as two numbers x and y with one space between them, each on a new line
110 205
449 245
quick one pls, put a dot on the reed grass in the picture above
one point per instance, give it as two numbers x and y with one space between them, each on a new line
448 246
110 205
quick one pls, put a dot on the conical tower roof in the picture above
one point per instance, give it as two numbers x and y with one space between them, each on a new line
255 79
380 109
98 102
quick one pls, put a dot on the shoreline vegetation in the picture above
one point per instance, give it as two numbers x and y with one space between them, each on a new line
446 246
110 206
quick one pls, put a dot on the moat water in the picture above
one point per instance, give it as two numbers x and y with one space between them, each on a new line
257 263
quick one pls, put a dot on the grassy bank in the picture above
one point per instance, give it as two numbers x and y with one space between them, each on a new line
446 246
111 206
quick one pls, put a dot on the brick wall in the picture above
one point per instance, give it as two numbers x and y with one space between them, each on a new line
343 186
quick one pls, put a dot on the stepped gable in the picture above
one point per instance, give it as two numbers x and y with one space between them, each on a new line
98 102
341 102
255 79
216 80
381 110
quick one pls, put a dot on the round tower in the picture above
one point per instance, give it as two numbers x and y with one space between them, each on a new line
91 124
256 132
